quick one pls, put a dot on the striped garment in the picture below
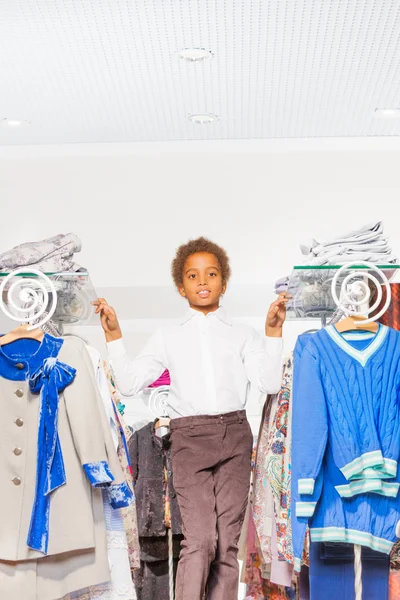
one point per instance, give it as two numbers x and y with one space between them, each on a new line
346 438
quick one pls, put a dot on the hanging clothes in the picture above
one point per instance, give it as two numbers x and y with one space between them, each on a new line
265 571
262 505
129 514
391 316
165 379
272 476
278 464
394 578
394 585
157 511
259 587
281 571
332 572
149 453
120 586
55 540
152 579
344 385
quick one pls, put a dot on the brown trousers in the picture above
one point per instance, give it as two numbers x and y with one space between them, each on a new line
211 472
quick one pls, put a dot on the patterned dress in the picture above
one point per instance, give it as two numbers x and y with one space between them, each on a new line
272 476
124 435
278 464
255 571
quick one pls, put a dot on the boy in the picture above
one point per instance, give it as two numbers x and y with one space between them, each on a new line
211 361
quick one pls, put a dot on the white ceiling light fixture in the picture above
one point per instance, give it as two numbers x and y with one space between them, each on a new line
195 54
387 113
14 123
203 119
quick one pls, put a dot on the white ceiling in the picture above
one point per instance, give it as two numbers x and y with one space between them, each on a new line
108 71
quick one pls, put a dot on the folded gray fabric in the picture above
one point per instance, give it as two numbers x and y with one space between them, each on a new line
280 289
347 256
364 234
52 255
367 244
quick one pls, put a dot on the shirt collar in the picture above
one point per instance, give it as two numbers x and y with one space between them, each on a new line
221 314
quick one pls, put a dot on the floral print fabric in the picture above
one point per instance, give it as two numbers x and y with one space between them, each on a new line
272 475
278 464
129 513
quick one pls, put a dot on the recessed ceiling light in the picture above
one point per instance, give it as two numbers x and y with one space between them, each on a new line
14 123
387 113
203 119
195 54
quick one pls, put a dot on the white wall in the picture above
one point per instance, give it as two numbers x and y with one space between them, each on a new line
132 204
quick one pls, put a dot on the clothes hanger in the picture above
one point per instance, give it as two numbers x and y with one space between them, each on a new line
22 332
354 323
162 422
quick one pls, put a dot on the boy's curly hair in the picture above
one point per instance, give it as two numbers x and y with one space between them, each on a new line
201 244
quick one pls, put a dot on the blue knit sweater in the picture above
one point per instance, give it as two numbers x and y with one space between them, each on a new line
346 438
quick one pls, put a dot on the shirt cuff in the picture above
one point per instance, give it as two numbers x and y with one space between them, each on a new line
116 349
273 346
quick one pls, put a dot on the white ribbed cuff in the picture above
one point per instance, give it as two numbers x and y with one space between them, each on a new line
306 486
305 509
297 565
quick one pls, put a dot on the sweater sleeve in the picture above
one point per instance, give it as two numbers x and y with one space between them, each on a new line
309 439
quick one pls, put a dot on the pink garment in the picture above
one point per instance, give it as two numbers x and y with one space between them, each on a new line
163 380
281 571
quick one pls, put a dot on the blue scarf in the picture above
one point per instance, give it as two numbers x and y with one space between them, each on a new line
49 379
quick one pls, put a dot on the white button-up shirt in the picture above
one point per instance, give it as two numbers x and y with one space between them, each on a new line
211 361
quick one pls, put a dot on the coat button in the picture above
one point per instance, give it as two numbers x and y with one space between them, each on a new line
19 393
19 422
16 481
17 451
20 366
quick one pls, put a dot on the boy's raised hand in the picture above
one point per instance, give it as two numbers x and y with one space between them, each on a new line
276 316
108 319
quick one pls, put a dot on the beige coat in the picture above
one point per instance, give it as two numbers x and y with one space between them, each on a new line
84 437
58 575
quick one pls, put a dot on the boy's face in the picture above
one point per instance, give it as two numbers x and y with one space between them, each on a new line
202 281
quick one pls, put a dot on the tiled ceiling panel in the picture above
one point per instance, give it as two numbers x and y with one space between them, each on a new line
109 71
